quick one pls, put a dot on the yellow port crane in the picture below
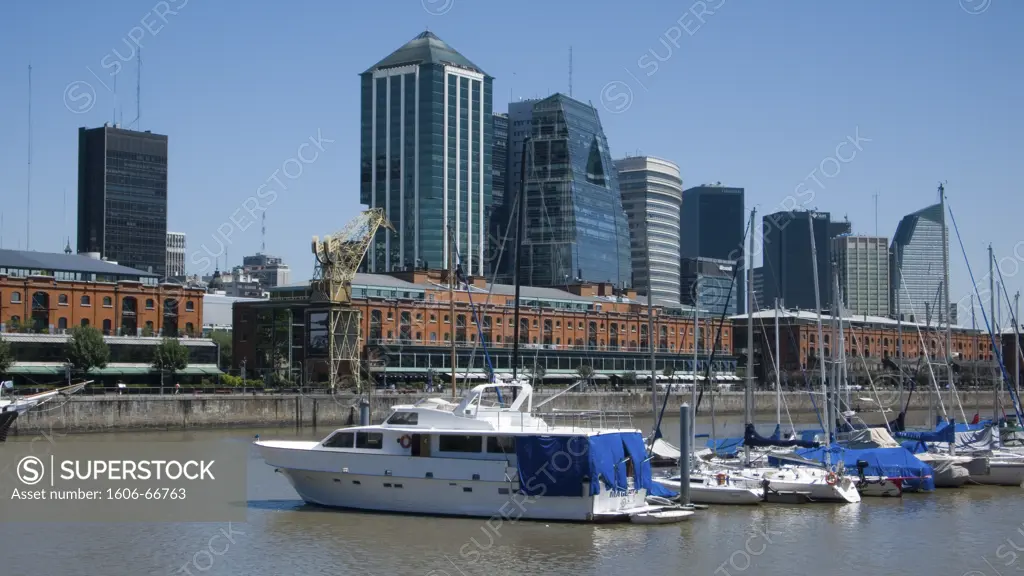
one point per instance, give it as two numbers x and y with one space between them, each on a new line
337 258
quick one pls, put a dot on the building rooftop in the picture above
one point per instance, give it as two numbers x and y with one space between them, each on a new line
426 48
812 316
142 340
50 262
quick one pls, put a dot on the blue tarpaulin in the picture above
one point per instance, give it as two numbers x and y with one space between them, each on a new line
943 433
888 462
560 465
725 446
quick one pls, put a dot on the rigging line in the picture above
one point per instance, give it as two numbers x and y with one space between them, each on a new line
461 274
984 316
924 350
771 358
1010 307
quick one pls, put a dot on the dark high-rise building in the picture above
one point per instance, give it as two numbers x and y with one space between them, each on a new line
425 155
788 268
839 228
500 243
712 221
575 225
122 197
757 285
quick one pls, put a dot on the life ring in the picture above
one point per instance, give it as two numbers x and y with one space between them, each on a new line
831 479
405 441
721 479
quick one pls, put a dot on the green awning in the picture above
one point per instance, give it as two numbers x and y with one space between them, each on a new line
198 371
119 371
35 370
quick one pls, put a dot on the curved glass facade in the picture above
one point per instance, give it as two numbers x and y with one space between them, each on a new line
576 228
652 192
916 269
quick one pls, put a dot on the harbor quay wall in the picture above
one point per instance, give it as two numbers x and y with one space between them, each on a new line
113 413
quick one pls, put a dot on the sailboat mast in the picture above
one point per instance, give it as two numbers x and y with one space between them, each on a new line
945 312
650 331
821 336
991 311
1016 343
696 339
451 309
778 372
841 353
517 275
748 393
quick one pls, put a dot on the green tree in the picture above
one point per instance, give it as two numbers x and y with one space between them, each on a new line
170 356
668 372
536 372
6 358
86 349
224 343
584 371
147 331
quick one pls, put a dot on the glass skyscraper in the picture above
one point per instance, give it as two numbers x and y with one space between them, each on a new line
425 155
788 269
122 197
575 226
652 191
916 265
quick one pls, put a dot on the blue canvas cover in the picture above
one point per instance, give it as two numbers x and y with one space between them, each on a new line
553 465
752 438
943 433
889 462
559 465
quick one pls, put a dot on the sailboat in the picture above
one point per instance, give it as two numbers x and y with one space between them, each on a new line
11 407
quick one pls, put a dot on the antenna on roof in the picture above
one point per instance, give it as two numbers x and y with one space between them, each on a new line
28 191
263 234
138 92
570 71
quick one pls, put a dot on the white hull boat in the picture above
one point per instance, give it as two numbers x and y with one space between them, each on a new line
880 487
472 460
1002 471
819 485
705 490
949 471
666 517
11 408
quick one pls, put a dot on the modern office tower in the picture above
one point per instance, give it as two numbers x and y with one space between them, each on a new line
575 227
425 155
757 285
708 284
271 271
122 197
175 254
788 267
863 266
712 224
916 266
652 191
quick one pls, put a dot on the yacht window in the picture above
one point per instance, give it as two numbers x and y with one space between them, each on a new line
501 444
340 440
461 443
373 440
404 419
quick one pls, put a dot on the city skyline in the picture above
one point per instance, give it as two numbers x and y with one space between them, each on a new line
906 182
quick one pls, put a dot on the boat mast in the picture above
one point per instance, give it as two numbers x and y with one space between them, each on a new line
821 336
991 311
451 306
899 315
842 349
650 333
945 312
778 374
748 393
1016 345
517 280
693 392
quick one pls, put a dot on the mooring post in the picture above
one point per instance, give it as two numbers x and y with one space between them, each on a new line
364 412
684 455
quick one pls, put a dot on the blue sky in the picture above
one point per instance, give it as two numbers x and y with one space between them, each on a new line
752 94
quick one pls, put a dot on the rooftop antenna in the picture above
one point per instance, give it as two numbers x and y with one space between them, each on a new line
138 92
114 120
876 213
570 71
28 191
263 234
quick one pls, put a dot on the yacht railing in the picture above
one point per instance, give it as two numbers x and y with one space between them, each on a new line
561 421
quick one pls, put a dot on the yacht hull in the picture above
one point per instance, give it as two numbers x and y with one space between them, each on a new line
711 494
880 488
435 486
807 482
1001 473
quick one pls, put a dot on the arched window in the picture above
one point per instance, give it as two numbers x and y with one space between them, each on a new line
85 321
62 299
62 323
15 297
150 304
108 302
375 328
190 306
86 302
188 328
106 327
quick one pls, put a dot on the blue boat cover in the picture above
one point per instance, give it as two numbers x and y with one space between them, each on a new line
942 433
889 462
752 438
559 465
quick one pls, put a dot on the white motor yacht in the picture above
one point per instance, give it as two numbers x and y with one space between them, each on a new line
473 459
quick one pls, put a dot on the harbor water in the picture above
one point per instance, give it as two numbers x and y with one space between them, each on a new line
972 531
